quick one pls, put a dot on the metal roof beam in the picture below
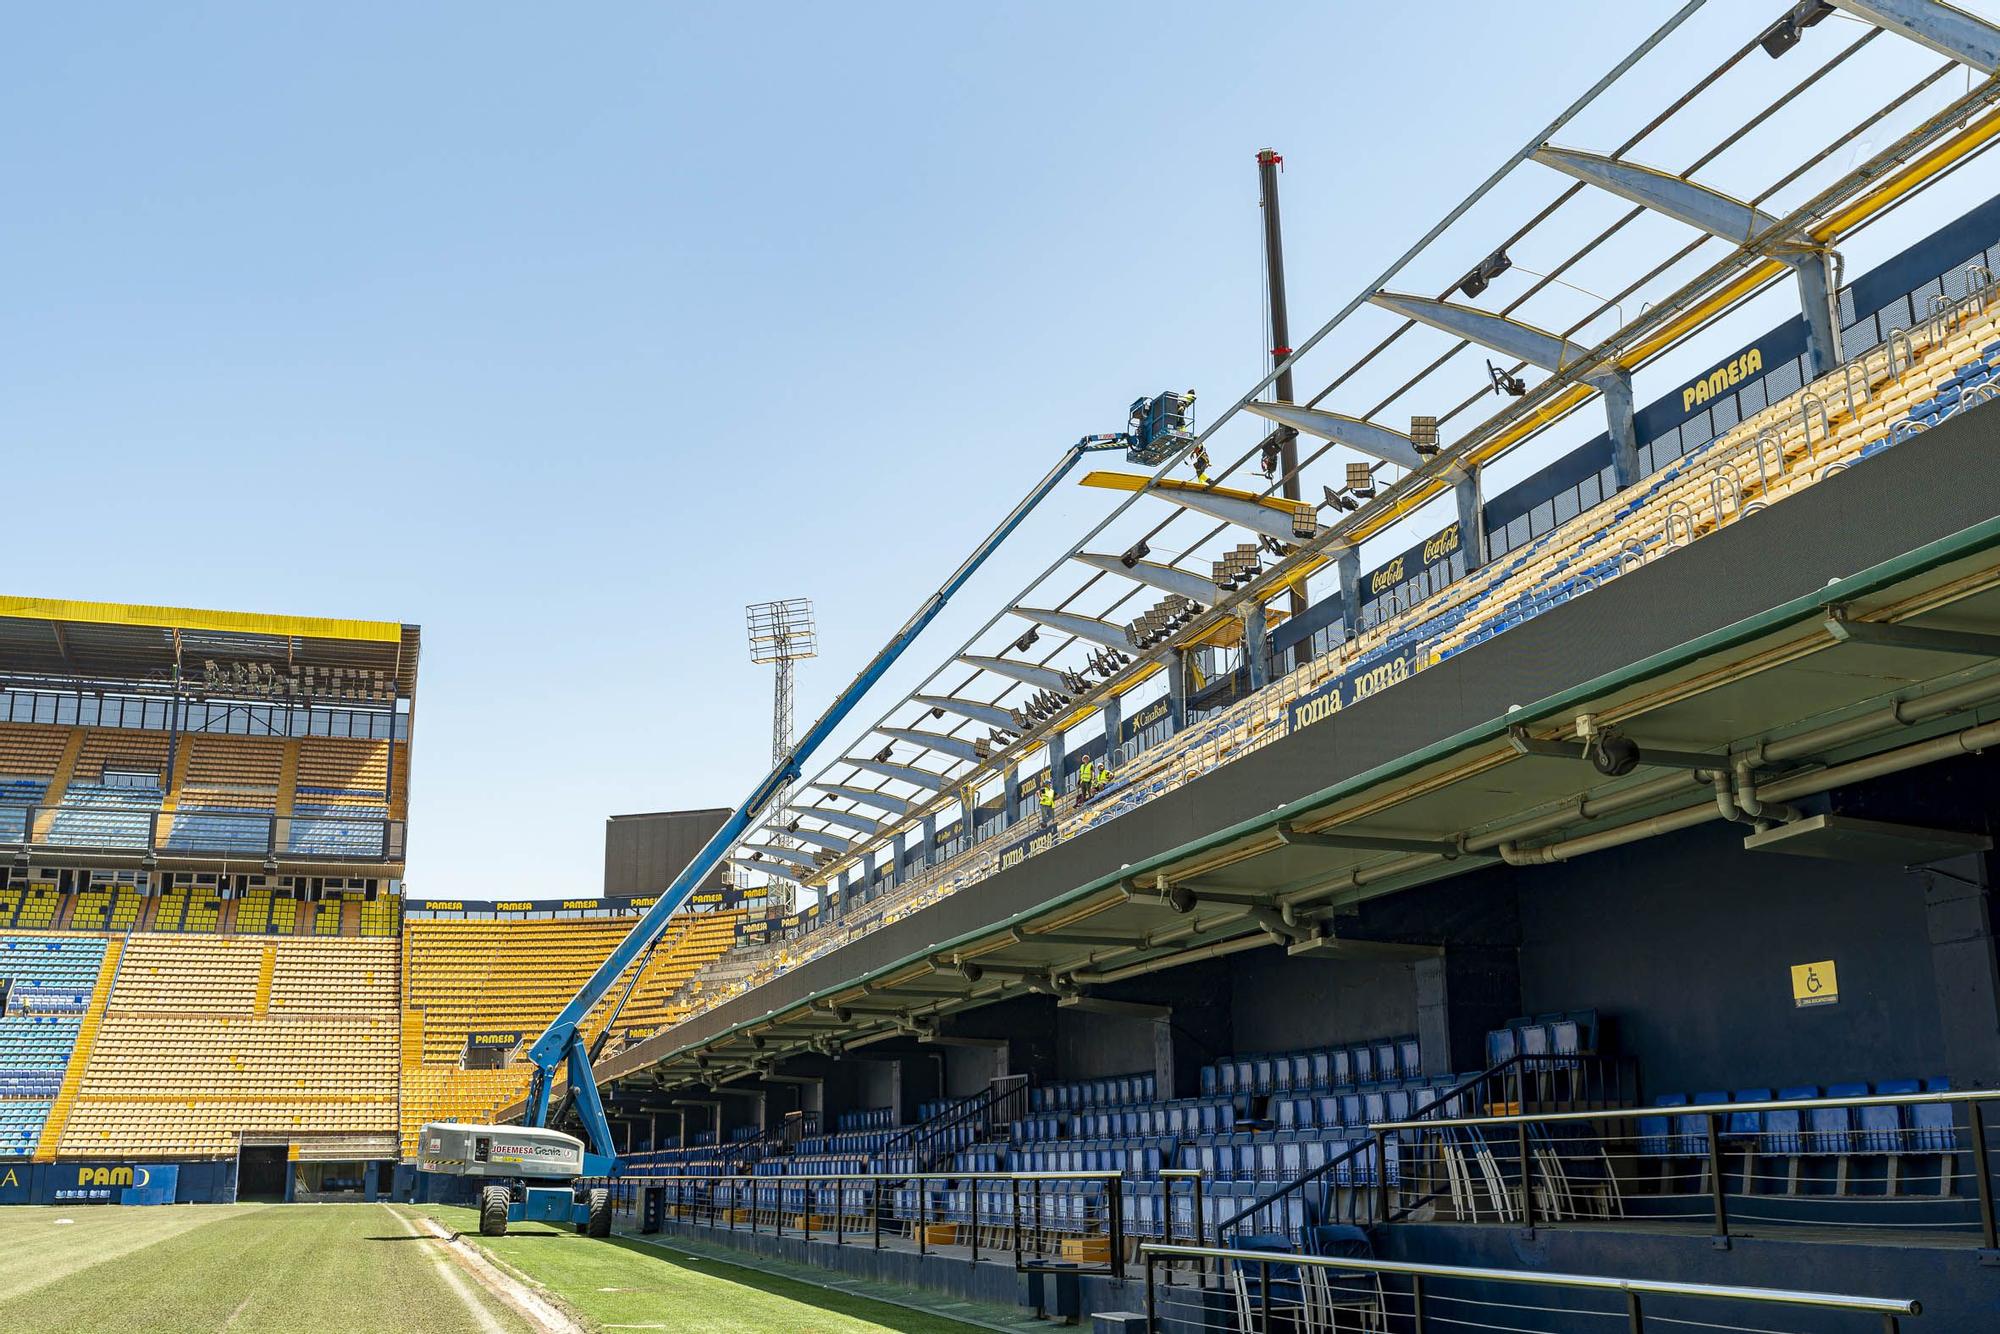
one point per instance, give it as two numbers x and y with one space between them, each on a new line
817 837
1377 442
1027 673
792 855
1537 347
995 715
850 819
910 774
1947 30
1230 509
781 871
1717 214
1523 342
956 746
1698 206
881 801
1083 627
1167 578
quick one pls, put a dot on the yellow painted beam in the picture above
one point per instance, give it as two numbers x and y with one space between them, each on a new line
1126 481
191 618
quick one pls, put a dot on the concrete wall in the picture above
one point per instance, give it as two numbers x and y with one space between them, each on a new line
1687 943
1278 1003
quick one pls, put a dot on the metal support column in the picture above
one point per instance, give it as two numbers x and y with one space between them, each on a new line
1177 688
1256 645
1471 503
1114 722
1281 348
1349 567
1058 758
1624 428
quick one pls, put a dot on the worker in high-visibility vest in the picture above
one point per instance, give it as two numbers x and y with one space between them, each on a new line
1048 801
1103 775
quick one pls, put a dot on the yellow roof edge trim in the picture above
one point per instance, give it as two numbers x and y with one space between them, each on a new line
1125 481
193 618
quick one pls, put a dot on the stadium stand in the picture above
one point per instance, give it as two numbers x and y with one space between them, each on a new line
50 984
1887 394
511 977
205 1040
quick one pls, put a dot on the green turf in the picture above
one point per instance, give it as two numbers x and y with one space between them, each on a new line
626 1285
341 1269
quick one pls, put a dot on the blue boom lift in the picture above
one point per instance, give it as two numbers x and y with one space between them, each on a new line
533 1171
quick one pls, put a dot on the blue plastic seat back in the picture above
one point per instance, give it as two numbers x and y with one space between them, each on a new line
1501 1046
1746 1125
1341 1065
1410 1056
1363 1064
1784 1131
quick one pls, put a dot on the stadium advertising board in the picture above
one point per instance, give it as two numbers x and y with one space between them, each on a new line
1144 718
1021 849
492 1040
1353 686
726 897
1433 553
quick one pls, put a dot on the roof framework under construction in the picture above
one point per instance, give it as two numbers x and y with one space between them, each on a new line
1769 163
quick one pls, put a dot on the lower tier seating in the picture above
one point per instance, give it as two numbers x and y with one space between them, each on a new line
207 1039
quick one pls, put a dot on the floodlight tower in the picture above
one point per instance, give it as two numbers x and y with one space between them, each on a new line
781 633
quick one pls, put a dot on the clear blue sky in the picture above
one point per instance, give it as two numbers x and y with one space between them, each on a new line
565 332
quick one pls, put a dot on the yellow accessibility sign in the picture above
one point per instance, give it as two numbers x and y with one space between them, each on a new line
1815 984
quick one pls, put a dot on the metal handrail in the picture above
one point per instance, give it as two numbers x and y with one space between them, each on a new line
1825 1301
1695 1109
809 1182
801 1178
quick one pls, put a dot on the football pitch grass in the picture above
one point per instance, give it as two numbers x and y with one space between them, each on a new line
364 1268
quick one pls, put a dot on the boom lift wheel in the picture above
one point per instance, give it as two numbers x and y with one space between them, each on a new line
493 1202
598 1221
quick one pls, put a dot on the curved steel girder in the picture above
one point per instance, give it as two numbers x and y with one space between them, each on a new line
1027 673
1698 206
850 819
1083 627
1523 342
955 746
1377 442
996 715
915 777
1165 577
881 801
1945 29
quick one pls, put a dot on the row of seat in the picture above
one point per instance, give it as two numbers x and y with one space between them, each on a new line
1811 1132
1116 1091
1184 1117
1323 1068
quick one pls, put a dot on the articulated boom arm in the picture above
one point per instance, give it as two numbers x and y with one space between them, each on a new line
563 1040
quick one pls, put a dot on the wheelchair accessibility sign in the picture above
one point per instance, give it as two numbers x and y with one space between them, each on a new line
1815 984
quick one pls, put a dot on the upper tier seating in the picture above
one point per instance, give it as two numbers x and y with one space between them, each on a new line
206 1039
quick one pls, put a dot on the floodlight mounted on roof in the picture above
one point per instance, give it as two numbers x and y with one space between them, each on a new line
1783 35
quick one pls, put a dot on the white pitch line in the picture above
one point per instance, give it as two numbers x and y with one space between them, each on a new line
449 1268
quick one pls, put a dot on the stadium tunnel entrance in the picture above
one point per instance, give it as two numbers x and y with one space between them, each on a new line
262 1173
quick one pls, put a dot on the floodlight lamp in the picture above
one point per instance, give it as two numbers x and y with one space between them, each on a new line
1027 641
1303 522
936 712
1484 272
1134 554
1424 434
1504 383
882 755
1360 480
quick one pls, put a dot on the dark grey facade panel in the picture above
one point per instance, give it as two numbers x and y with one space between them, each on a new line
643 853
